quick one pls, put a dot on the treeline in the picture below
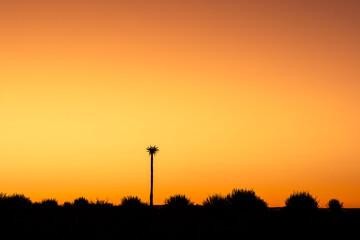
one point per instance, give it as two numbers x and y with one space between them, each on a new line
238 199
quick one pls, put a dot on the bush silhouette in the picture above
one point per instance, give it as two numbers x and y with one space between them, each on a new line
49 203
246 200
103 203
216 201
3 198
334 205
132 202
15 201
81 202
178 222
301 202
67 204
178 201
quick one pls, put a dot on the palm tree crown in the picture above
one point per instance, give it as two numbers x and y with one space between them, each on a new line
152 150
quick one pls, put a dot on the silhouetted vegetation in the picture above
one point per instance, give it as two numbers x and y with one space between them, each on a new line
81 202
152 150
132 202
239 214
301 202
335 205
178 202
216 201
67 205
246 200
103 203
15 201
49 203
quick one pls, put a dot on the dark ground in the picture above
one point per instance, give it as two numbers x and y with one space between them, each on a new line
194 222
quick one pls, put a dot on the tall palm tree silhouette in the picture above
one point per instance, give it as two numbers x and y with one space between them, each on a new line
152 150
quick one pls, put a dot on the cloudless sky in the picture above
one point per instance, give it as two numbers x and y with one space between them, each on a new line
261 95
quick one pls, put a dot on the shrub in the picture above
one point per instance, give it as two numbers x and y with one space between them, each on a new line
3 197
301 202
49 203
215 201
246 200
15 200
335 205
103 203
67 204
132 202
178 201
81 202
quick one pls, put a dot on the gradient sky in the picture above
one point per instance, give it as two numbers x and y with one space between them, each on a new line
237 94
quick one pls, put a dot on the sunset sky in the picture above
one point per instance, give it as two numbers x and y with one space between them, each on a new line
263 95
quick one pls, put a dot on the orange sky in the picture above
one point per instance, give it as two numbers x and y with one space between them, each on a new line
237 94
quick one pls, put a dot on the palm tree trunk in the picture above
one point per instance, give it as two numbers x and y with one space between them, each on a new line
152 178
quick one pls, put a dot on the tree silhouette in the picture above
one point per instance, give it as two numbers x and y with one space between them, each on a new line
152 150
